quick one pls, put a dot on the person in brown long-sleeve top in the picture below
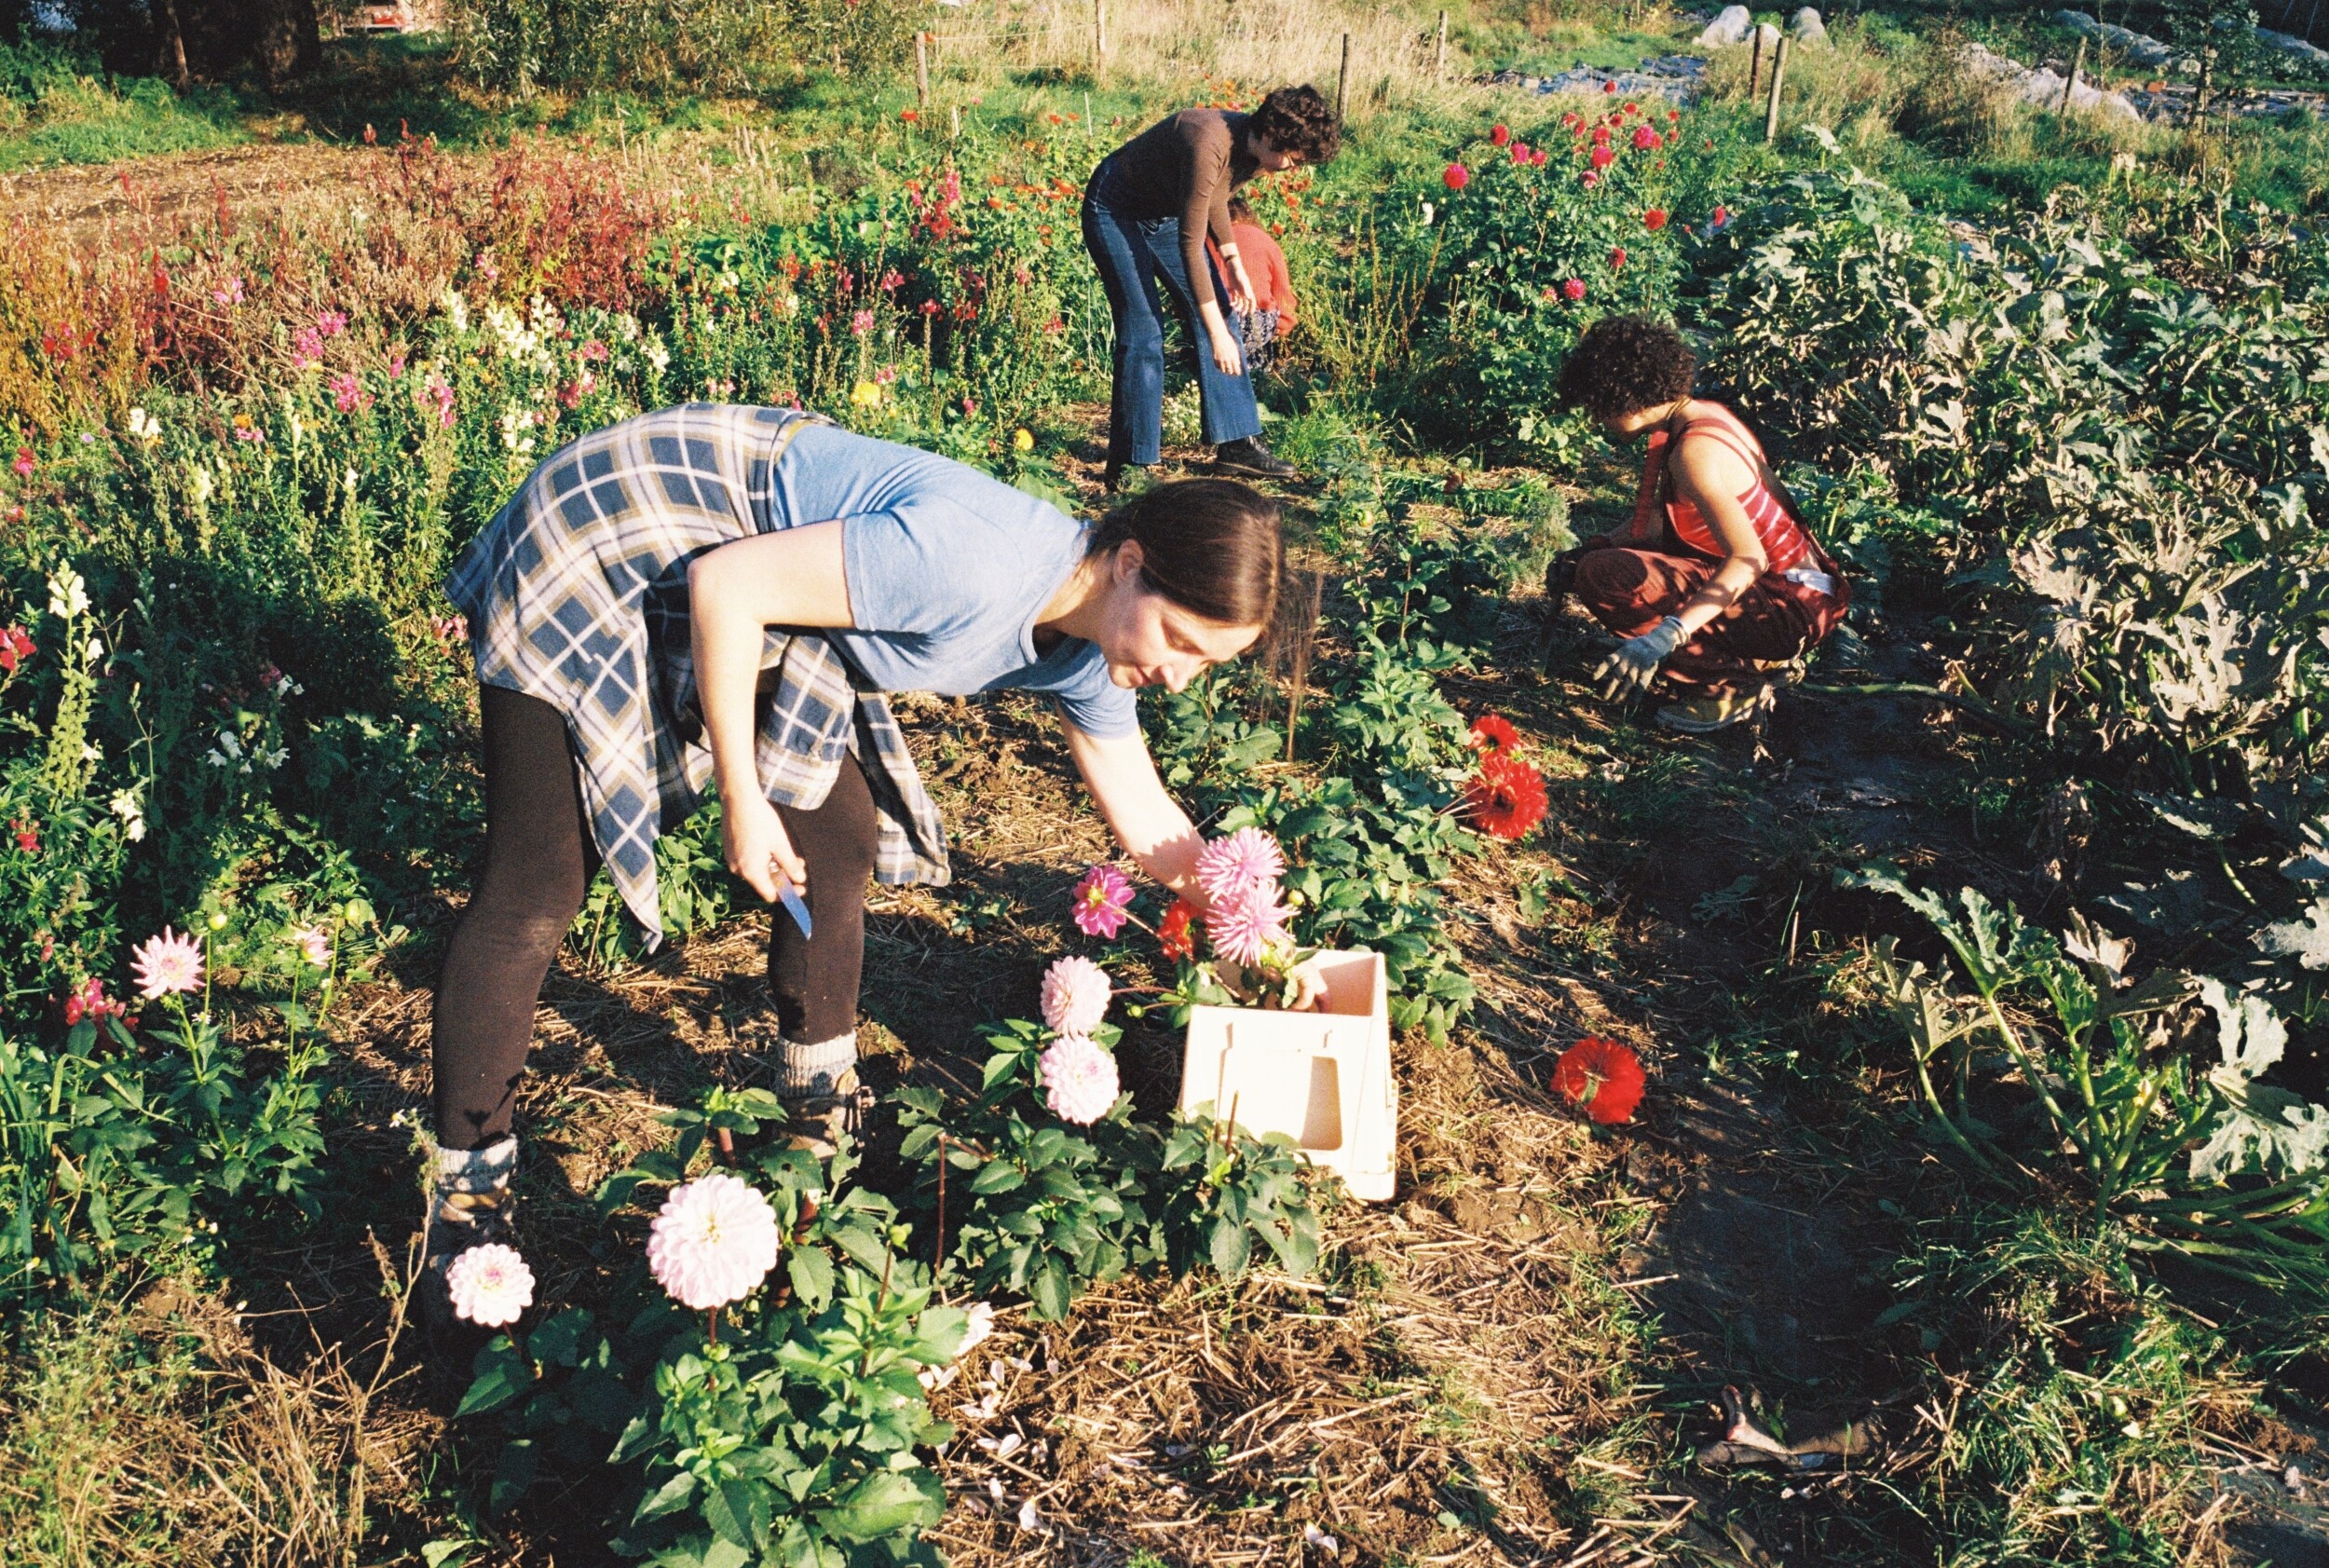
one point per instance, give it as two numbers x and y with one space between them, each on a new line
1147 214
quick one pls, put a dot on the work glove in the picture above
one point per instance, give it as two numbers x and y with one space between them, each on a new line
1634 666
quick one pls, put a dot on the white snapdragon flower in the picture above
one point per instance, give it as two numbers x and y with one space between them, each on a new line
68 596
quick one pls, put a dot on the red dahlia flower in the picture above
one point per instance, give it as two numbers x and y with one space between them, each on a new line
1617 257
1600 136
1574 288
1172 933
1604 157
1654 219
1645 140
1499 134
1506 796
1457 177
1536 158
1493 733
1604 1078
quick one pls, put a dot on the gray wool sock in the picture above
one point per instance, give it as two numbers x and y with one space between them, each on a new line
476 1170
817 1069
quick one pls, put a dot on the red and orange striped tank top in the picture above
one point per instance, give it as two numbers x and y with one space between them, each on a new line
1785 544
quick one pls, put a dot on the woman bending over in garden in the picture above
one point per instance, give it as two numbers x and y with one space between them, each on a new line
1147 212
1716 582
723 594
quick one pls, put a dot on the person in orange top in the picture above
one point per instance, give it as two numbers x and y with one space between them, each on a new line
1272 312
1717 585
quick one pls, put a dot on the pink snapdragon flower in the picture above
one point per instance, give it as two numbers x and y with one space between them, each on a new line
307 349
1079 1080
166 964
1242 928
714 1242
1075 995
230 292
331 324
490 1285
1230 867
1102 899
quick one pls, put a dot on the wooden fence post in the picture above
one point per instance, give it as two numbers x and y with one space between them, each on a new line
1754 66
1099 36
1439 55
2207 80
1343 84
921 71
2077 63
1779 78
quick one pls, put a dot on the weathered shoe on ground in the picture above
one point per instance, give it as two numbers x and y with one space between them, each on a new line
1704 716
1248 456
815 1123
471 1206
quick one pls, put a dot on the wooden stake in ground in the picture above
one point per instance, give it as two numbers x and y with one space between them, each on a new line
1754 67
2070 85
1343 84
921 72
1778 81
1099 36
2207 80
1439 55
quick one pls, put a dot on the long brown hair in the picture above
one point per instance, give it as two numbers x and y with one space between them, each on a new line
1211 546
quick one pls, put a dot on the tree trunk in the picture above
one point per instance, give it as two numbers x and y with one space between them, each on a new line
280 39
171 65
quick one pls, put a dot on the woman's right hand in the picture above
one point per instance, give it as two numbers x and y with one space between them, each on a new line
758 847
1226 353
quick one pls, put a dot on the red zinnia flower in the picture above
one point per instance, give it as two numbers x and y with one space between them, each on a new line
1172 933
1499 135
1654 219
1601 1076
1457 177
1506 796
1493 734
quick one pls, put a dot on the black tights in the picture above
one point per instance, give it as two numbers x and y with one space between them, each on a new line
538 862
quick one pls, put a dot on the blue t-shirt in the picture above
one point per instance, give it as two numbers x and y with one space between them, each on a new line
947 570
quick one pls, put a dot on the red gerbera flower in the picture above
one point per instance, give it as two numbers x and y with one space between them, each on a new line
1493 734
1602 1077
1172 933
1506 796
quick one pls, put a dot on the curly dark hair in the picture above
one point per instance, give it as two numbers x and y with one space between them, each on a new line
1298 119
1625 363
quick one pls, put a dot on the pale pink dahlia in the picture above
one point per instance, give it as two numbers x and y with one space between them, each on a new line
1079 1079
714 1241
1242 928
1075 995
1101 899
490 1285
313 944
1227 866
166 964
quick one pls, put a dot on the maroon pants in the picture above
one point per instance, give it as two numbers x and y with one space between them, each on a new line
1629 590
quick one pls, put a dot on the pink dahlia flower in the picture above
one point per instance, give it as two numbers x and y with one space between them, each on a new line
1243 927
1229 867
1075 996
1079 1079
714 1243
313 944
1101 899
166 964
491 1286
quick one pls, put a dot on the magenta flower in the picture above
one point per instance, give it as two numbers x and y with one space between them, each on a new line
348 394
166 964
1075 995
307 347
862 323
230 293
1229 867
1079 1080
714 1242
331 324
490 1285
1102 899
1243 927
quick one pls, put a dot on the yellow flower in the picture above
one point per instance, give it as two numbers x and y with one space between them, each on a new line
866 394
1022 440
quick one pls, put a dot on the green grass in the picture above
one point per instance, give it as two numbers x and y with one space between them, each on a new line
54 108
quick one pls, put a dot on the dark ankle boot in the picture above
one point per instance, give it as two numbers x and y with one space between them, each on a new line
1248 456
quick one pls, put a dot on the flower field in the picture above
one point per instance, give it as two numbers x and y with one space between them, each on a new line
1942 1066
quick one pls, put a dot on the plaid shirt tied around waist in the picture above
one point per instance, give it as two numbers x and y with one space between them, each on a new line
576 594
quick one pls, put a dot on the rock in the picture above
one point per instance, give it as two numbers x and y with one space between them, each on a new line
2134 45
2041 86
1767 37
1730 26
2289 44
1806 27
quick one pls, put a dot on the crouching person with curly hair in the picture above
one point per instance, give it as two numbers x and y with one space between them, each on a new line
1716 585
